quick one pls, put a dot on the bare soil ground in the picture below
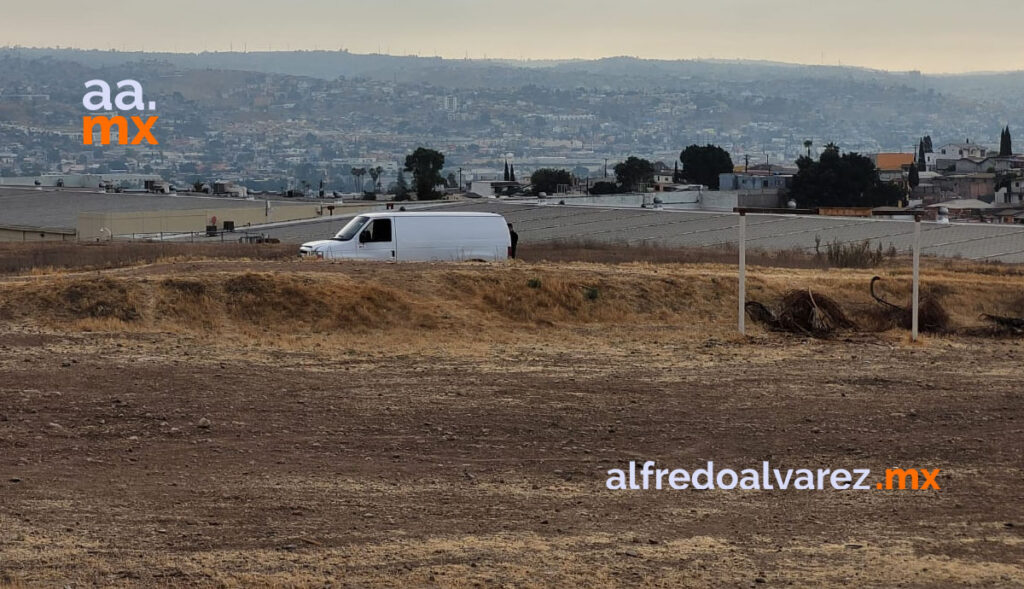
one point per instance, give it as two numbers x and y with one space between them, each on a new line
239 424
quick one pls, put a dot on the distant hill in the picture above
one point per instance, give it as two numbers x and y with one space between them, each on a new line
615 72
616 105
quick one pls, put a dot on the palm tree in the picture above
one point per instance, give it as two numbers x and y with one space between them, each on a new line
359 173
375 175
807 145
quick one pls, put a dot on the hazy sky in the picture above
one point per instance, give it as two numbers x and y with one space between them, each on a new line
928 35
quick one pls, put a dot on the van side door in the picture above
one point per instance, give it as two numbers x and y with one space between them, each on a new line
377 240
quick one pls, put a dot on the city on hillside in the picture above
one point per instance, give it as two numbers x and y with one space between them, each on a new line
307 136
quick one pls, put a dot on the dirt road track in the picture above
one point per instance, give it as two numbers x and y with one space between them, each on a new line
396 459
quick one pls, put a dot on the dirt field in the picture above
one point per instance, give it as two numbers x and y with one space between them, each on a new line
274 423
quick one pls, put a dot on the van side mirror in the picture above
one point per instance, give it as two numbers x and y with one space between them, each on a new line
364 237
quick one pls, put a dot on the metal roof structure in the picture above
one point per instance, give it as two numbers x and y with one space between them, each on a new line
59 208
540 221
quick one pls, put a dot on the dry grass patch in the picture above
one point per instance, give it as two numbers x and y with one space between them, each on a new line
49 258
433 299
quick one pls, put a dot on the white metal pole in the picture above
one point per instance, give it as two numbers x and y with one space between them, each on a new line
743 273
917 276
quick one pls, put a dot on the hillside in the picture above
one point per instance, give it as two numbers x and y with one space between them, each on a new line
248 114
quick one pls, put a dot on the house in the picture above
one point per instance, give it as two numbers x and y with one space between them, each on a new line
980 185
927 189
955 151
969 165
892 162
748 181
946 157
1013 193
663 177
1010 216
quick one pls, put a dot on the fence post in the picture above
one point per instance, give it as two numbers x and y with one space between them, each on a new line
743 274
917 277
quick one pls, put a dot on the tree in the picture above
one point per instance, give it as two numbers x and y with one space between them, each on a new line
702 165
633 172
547 180
676 177
401 187
425 165
921 159
375 176
914 178
807 145
451 181
604 187
358 174
837 179
928 144
1005 143
511 172
506 171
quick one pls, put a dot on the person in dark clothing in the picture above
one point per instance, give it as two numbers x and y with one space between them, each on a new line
515 241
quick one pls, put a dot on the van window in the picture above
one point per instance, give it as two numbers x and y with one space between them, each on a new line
351 229
380 230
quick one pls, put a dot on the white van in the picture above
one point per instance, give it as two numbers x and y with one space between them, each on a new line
415 237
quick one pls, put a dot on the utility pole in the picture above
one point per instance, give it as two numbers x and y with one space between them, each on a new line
917 276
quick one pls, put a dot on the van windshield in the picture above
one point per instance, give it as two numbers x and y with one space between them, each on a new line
349 231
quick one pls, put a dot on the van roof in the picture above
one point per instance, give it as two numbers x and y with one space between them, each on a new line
426 214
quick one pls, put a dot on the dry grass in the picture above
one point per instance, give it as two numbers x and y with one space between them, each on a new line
611 253
586 284
427 299
47 258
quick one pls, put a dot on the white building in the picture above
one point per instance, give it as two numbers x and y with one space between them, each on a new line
955 151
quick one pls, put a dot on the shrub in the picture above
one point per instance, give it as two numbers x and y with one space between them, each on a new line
854 254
